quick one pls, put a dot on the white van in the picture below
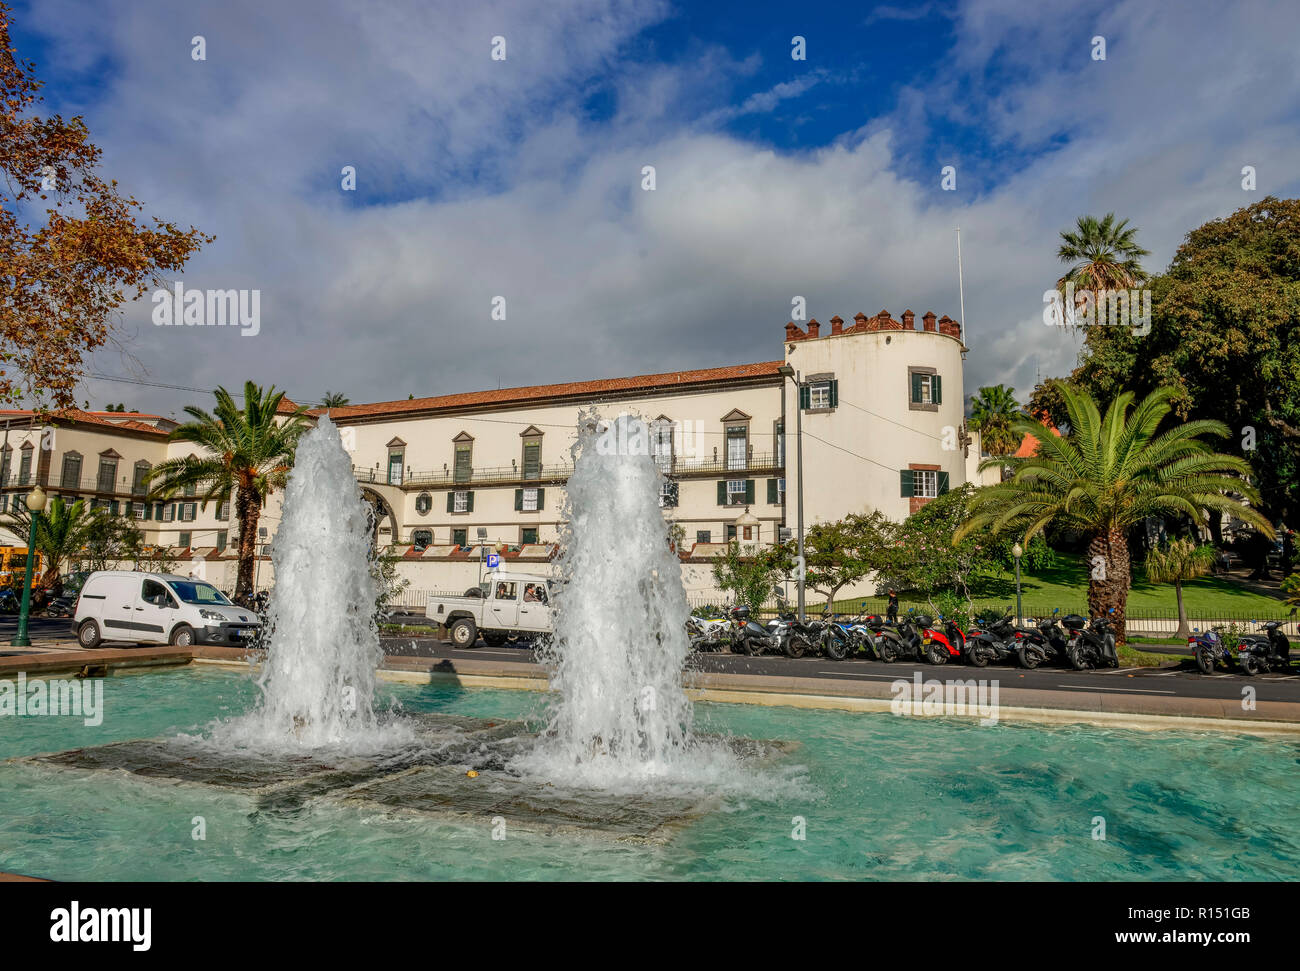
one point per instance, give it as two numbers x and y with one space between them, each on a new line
158 608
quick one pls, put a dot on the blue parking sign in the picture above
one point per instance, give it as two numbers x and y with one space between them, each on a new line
494 560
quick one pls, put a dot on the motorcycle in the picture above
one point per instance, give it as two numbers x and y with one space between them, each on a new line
1093 646
748 635
1046 640
836 637
916 640
1259 653
994 641
706 633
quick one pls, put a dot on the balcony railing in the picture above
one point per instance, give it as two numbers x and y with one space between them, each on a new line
761 462
121 486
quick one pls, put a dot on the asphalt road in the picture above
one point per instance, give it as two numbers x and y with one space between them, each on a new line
1184 681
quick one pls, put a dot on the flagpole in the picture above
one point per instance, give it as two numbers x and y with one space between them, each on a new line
961 294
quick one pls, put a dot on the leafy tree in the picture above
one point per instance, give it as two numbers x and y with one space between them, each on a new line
1109 474
1225 334
1179 561
748 574
1291 587
109 540
61 531
334 399
71 249
842 553
247 452
926 557
992 412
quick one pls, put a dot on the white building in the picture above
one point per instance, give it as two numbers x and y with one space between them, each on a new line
880 401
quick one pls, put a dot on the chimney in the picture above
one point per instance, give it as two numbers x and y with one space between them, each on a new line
909 320
860 321
928 321
886 322
950 327
793 332
837 325
813 327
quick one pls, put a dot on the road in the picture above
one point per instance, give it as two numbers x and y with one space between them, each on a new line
1184 682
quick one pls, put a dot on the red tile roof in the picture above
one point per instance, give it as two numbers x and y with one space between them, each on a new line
644 382
90 418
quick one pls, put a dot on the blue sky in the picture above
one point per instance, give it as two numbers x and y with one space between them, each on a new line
776 178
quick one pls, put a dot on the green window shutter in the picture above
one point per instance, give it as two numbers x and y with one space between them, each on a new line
771 492
749 490
916 388
936 389
469 502
907 483
943 482
451 502
722 493
805 397
835 393
541 498
519 499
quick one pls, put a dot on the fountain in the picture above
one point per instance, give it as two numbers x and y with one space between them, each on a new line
617 758
318 682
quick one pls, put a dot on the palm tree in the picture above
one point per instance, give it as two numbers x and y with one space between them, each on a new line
1102 255
248 452
1180 561
61 532
334 399
992 412
1109 474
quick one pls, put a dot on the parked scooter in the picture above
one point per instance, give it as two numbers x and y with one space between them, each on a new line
707 633
1268 650
1094 646
795 637
1046 640
917 639
995 641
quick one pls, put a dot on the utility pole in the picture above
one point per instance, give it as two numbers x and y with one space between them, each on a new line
961 294
787 371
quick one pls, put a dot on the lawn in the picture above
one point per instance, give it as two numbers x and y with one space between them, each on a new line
1066 586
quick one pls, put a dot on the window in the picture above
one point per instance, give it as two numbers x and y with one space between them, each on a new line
775 492
423 503
460 537
396 461
221 540
6 460
153 592
533 458
223 510
138 486
778 435
731 532
71 475
926 389
107 475
460 502
661 444
528 535
25 465
668 494
169 512
188 510
184 540
464 462
529 498
735 492
737 446
422 539
138 509
190 489
923 483
703 536
505 590
819 392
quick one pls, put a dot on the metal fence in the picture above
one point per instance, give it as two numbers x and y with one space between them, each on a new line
1138 620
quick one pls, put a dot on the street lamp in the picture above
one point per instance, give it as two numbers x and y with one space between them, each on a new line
35 504
786 371
1017 551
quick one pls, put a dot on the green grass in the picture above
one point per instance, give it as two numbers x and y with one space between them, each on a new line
1066 586
1131 658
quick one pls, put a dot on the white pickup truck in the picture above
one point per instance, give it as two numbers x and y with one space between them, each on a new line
505 605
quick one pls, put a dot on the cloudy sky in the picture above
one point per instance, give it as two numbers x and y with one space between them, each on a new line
522 178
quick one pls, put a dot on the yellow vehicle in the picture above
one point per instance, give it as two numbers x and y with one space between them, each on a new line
13 566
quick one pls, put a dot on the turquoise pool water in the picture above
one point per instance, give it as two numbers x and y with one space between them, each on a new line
882 798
